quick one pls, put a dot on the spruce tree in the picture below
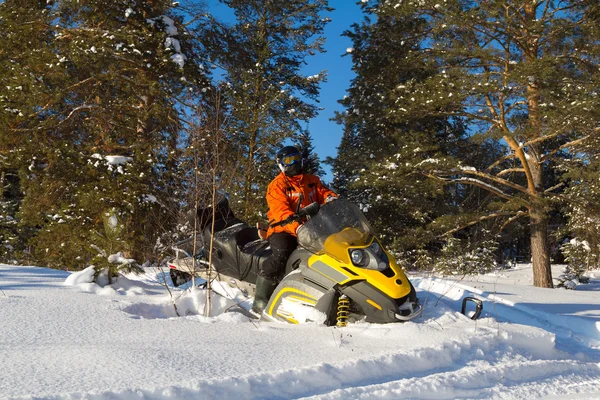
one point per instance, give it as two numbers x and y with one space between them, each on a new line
11 241
582 202
581 245
105 136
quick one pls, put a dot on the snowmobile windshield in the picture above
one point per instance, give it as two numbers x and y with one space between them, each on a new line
339 222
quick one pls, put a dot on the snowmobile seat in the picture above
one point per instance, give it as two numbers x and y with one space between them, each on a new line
249 240
224 217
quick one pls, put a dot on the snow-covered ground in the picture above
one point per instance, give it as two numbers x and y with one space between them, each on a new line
63 338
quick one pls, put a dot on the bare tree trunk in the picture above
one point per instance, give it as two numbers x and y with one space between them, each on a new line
216 170
538 216
540 252
196 206
542 273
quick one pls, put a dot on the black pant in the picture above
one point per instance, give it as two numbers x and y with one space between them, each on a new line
282 245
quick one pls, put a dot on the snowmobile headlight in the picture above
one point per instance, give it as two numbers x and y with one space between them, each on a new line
357 256
376 258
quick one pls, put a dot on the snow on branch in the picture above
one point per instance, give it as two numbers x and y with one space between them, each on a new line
484 185
509 170
496 179
512 215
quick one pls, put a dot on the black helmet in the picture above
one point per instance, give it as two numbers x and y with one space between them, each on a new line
289 160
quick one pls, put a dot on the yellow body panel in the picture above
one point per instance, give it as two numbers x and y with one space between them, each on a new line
387 285
337 244
302 296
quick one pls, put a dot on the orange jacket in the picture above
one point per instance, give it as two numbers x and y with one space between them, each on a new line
283 194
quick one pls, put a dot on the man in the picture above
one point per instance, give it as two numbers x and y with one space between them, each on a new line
290 191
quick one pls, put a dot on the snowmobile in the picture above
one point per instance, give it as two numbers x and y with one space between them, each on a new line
339 273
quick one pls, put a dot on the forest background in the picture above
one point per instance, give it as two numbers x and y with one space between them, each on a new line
470 130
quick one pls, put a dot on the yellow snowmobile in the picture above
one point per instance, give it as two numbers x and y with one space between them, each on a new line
339 273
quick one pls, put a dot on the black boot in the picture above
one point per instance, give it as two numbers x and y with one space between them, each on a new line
264 290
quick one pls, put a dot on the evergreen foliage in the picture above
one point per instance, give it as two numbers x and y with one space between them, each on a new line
382 154
104 87
262 55
109 261
466 123
10 238
460 257
519 75
109 110
25 54
582 208
580 259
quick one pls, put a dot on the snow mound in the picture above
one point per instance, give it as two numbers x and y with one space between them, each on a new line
81 277
185 304
123 285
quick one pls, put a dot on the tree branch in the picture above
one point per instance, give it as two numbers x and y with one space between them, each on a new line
481 219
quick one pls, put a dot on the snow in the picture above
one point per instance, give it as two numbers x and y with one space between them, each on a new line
112 159
179 59
149 198
119 259
170 42
118 160
85 276
170 28
173 43
113 222
62 337
575 242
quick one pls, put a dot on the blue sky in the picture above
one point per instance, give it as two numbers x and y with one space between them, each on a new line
327 134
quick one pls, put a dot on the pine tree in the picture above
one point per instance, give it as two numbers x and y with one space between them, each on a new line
262 57
523 74
379 157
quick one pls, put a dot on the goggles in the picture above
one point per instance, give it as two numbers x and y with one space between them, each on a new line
290 159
